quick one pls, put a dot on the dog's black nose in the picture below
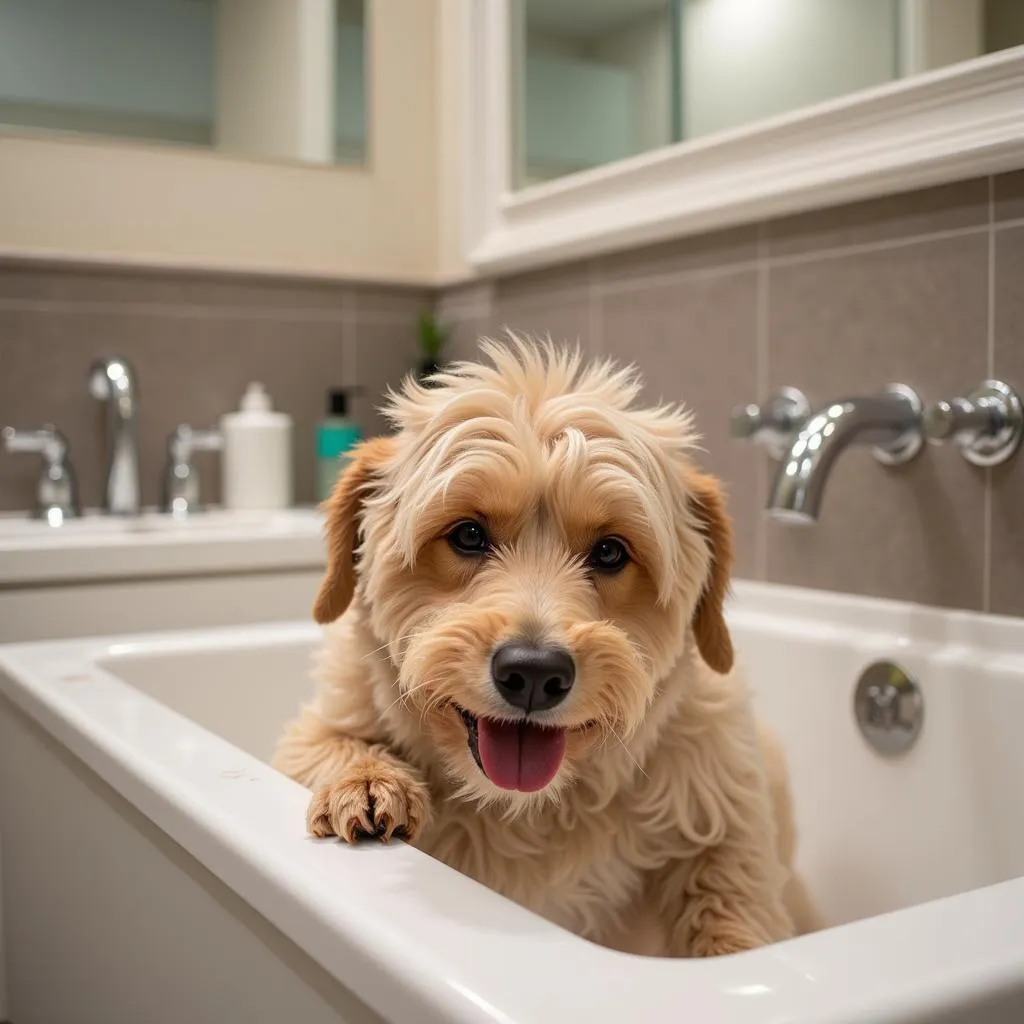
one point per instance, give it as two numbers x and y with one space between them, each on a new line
532 678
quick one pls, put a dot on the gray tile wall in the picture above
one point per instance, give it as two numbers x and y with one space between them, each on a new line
195 341
925 288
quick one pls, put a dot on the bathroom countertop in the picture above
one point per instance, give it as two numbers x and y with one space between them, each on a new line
155 544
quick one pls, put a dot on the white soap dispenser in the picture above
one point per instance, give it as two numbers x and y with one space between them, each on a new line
257 457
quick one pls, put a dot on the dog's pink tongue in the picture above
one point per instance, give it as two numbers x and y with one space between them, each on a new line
520 755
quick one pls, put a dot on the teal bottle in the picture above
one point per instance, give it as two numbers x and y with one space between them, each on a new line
336 436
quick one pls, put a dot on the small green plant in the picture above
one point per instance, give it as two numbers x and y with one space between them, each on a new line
433 337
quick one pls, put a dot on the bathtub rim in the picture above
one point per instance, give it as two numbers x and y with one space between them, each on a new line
348 911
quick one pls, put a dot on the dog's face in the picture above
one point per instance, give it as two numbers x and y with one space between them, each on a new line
532 553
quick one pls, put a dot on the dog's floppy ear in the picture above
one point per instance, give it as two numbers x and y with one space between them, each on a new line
709 628
342 508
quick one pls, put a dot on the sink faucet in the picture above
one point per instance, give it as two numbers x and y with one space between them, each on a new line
113 381
891 421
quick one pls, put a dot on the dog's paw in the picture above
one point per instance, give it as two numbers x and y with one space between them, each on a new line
373 800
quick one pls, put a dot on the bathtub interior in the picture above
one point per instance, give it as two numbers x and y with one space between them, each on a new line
876 834
879 834
242 694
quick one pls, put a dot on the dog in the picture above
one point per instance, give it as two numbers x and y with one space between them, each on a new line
526 670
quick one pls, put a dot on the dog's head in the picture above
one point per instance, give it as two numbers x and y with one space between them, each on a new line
533 553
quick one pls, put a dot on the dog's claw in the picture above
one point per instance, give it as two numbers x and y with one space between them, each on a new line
359 827
374 801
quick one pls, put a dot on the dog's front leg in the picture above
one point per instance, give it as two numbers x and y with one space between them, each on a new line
360 788
726 899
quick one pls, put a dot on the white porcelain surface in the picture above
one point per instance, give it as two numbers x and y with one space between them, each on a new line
931 844
96 547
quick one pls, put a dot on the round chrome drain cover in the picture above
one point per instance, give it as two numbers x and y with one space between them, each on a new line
889 708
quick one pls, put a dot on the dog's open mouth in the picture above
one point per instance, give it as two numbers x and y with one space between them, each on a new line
515 755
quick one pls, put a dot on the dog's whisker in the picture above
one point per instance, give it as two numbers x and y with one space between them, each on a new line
642 656
403 697
434 702
629 753
397 640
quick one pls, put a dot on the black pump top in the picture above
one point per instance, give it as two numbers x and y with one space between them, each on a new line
338 398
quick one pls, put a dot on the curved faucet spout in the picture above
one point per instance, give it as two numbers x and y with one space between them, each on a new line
113 381
891 421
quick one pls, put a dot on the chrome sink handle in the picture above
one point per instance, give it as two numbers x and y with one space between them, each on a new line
986 425
56 489
181 478
772 424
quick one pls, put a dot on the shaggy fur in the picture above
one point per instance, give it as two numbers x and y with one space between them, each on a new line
667 829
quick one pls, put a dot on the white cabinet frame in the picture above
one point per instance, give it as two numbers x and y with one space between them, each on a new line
940 126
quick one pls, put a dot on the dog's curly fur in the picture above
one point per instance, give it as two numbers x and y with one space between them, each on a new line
667 829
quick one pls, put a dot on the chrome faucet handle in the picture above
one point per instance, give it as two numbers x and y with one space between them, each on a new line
774 424
57 489
181 478
986 426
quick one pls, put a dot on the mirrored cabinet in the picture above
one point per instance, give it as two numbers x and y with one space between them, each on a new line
275 79
595 81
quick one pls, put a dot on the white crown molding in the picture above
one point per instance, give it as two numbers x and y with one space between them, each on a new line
955 123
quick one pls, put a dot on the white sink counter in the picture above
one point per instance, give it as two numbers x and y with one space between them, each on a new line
98 547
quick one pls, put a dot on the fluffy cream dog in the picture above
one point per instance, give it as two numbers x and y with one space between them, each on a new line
528 673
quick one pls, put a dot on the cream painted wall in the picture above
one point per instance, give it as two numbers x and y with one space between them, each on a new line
452 109
134 203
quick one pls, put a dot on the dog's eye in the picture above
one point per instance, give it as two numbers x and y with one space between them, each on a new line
609 554
469 538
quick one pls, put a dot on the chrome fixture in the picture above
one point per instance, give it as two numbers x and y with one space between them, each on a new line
113 381
890 421
56 489
889 708
986 425
774 424
181 478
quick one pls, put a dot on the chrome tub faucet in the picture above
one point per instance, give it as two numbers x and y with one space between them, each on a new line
891 421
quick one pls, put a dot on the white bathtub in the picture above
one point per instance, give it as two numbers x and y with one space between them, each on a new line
155 869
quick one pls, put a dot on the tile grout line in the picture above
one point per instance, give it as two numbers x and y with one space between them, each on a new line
1013 222
624 285
475 305
350 340
991 337
986 546
462 316
286 313
795 259
208 313
990 359
762 355
866 248
595 319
